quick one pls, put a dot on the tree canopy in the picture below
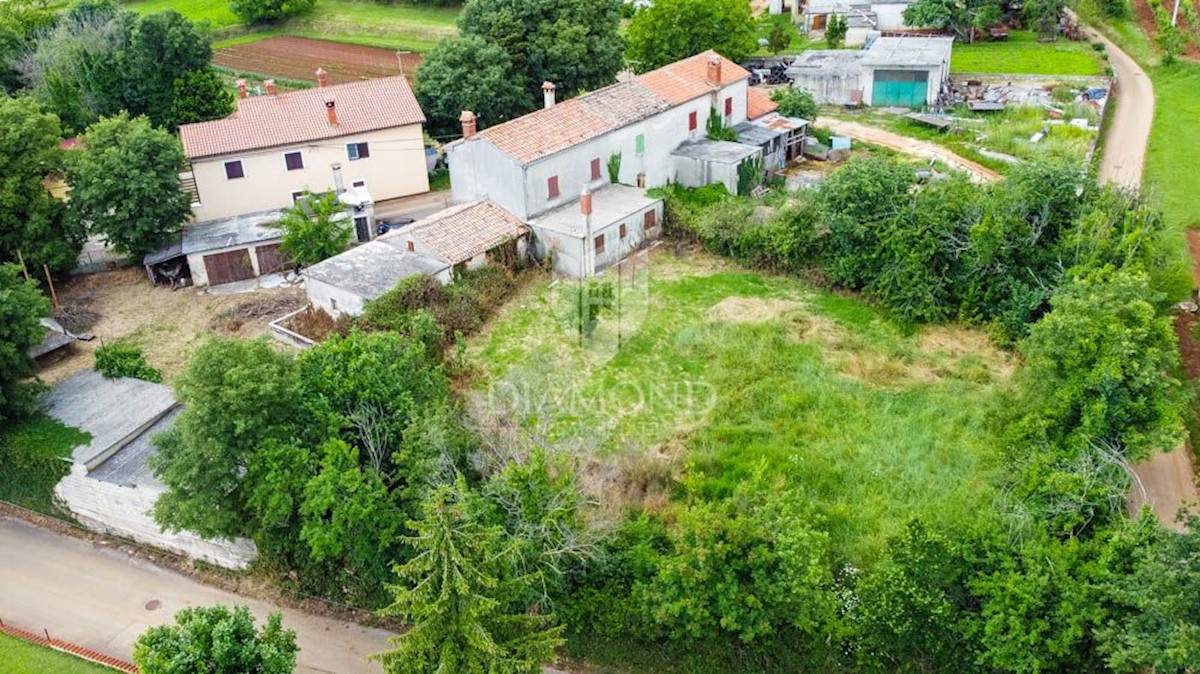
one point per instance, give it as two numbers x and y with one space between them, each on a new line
22 304
217 640
470 73
313 230
267 11
670 30
959 17
125 183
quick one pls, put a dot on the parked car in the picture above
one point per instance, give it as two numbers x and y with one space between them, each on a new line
385 225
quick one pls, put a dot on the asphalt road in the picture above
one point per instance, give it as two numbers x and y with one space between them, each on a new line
97 597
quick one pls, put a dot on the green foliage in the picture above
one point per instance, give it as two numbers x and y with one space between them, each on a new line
200 96
778 39
470 73
161 49
1171 40
715 129
31 219
35 453
269 11
1043 15
958 17
835 31
795 102
750 174
22 305
119 359
1115 9
315 228
670 30
219 640
573 43
456 593
614 168
125 183
586 301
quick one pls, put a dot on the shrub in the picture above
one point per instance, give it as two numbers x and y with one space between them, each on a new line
795 102
119 359
585 302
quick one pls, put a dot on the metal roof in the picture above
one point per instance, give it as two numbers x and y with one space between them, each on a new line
913 52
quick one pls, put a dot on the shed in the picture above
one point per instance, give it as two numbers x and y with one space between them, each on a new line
832 76
233 249
344 283
906 71
702 162
621 220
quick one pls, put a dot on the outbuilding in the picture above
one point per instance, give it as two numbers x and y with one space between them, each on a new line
599 229
701 162
344 283
906 71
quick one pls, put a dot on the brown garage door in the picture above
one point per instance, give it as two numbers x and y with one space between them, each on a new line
271 259
227 267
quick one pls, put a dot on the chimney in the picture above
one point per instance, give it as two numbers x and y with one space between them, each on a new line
714 70
339 185
241 87
331 110
468 123
548 94
270 85
322 78
585 202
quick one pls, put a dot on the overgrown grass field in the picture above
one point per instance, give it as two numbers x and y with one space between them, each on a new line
727 371
1022 53
19 657
37 453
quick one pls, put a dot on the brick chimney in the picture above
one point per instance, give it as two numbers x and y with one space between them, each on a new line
241 87
322 78
585 202
714 70
548 94
468 123
331 110
270 85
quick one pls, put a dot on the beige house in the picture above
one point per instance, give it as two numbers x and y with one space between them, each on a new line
359 135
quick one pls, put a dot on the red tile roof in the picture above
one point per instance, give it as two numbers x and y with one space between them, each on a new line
550 130
461 232
759 103
300 117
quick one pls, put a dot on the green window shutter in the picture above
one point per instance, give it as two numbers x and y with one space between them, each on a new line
640 143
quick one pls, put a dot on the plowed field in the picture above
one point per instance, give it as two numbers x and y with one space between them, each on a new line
297 58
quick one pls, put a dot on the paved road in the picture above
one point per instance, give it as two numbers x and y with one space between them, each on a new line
97 597
912 146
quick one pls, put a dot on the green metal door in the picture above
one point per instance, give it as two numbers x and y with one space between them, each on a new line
903 88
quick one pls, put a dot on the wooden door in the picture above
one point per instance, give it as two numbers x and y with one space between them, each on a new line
271 259
228 267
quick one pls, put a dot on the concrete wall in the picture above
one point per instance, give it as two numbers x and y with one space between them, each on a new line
200 272
395 168
333 300
570 256
124 511
479 170
615 249
829 89
889 15
691 172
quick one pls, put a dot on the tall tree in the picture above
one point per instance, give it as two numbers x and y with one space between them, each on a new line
457 593
125 183
470 73
22 304
670 30
573 43
217 640
31 219
199 96
161 48
313 230
960 17
267 11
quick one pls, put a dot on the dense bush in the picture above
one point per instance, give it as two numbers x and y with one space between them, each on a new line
121 359
22 306
795 102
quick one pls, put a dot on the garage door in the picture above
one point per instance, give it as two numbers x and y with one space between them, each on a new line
227 267
271 259
905 88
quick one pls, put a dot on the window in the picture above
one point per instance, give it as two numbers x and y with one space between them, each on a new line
296 196
412 247
233 170
294 161
357 151
358 183
622 231
692 121
595 169
552 187
333 304
728 106
641 180
600 245
649 220
639 143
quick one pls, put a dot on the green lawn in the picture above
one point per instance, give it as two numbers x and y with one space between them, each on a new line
396 26
798 43
1023 54
20 657
729 369
34 455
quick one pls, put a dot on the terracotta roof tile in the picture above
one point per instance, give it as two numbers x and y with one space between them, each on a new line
759 103
461 232
550 130
300 117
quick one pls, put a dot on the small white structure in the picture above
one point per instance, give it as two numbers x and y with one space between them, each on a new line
891 71
863 17
704 162
601 228
344 283
832 76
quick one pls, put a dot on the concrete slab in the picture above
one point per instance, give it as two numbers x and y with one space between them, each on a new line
264 282
113 411
129 465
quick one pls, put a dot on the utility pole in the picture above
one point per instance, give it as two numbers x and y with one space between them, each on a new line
1175 14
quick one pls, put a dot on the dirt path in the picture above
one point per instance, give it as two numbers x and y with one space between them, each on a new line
912 146
102 599
1168 480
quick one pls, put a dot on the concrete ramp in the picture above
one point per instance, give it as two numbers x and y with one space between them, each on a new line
113 411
